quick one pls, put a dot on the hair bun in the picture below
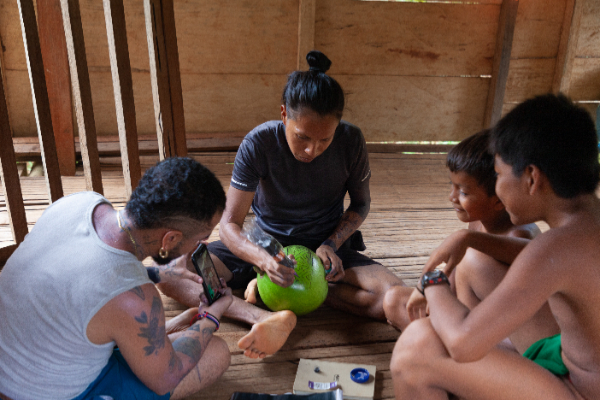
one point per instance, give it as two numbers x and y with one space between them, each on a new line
318 61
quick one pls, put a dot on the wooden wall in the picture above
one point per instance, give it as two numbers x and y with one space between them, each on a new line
412 71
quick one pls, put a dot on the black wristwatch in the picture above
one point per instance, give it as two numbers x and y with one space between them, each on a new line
434 277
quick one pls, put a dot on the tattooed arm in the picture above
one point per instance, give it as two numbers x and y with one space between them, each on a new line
179 268
353 217
135 320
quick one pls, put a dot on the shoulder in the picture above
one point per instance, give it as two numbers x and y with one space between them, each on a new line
528 231
349 131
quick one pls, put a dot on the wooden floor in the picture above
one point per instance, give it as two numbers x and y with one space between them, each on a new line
410 215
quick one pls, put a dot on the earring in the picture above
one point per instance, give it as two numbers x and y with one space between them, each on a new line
162 253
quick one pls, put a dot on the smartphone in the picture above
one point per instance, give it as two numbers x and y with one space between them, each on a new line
206 269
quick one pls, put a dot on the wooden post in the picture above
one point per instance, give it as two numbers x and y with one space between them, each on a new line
567 49
165 77
82 94
506 29
120 66
10 178
56 66
306 31
41 106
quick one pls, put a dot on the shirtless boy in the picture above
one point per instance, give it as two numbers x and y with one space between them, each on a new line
487 247
546 158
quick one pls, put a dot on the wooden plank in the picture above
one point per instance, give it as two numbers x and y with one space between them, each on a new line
5 253
123 91
306 31
504 42
390 108
175 89
56 66
160 73
10 176
410 39
568 46
82 94
529 77
538 28
237 37
584 83
35 67
588 44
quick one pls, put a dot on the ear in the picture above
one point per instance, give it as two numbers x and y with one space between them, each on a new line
283 113
171 239
496 203
533 178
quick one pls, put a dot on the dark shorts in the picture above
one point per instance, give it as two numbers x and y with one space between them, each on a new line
117 381
243 272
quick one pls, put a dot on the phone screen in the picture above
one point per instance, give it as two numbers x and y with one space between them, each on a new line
206 269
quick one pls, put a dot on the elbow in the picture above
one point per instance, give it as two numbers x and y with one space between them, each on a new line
461 349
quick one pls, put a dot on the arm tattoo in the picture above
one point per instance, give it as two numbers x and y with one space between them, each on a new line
350 222
175 363
138 292
154 332
189 346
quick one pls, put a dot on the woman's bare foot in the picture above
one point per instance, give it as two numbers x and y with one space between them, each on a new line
181 322
266 337
251 293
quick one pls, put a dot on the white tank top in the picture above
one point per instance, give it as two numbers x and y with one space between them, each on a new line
50 288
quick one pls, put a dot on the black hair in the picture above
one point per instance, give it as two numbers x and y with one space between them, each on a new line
313 89
555 135
471 156
175 188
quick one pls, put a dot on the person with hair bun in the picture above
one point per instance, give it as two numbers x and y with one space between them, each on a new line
294 174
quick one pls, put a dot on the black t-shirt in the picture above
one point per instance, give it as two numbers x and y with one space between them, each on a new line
302 202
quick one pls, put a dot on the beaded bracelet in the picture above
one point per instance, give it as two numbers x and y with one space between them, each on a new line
207 315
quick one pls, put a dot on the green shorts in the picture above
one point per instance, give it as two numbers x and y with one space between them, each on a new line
547 353
117 381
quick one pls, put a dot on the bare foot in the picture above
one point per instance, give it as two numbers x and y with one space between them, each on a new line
251 293
266 337
181 322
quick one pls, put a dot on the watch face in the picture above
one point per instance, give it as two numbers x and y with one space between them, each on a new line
434 277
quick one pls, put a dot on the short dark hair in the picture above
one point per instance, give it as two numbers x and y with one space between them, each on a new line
313 89
175 188
471 156
555 135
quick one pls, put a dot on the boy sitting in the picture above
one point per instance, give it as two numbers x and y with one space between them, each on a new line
546 158
487 247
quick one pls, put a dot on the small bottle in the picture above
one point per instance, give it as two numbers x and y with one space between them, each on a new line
257 236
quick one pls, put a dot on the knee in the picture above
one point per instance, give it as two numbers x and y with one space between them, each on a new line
393 300
220 355
414 353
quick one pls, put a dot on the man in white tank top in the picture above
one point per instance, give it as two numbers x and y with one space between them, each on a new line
80 316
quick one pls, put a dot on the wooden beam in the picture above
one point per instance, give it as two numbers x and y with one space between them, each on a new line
306 31
5 253
164 73
170 35
567 49
504 41
39 92
120 66
9 175
82 94
56 67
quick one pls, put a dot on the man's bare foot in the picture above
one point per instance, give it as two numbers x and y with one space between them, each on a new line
181 322
266 337
251 293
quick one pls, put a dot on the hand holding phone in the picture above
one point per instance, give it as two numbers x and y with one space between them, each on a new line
207 271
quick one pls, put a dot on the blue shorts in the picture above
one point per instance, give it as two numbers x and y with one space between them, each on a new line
117 381
243 272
